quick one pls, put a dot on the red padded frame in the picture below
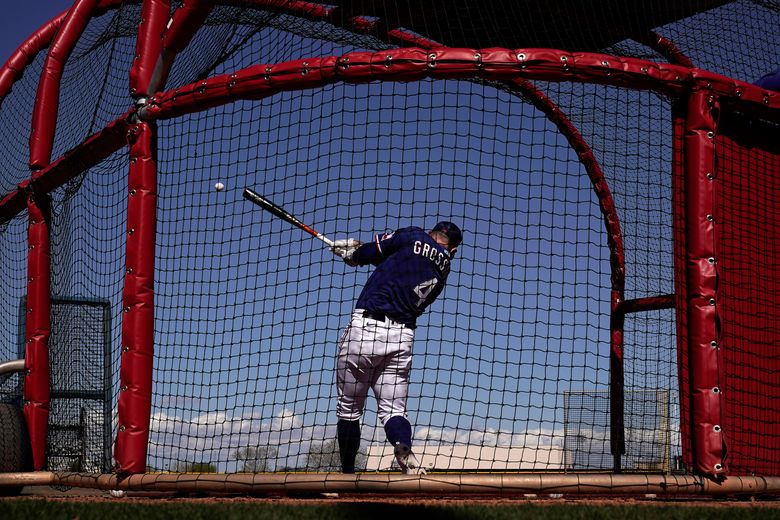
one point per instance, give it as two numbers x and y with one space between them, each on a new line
36 391
135 373
260 81
747 177
701 279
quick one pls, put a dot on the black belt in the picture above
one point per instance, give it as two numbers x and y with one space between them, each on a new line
378 316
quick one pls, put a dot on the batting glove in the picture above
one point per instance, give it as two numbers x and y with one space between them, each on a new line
347 256
345 248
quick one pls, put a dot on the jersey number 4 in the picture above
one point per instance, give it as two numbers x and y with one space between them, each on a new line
424 290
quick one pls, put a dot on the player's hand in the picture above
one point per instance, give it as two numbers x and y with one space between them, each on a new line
347 256
344 248
344 243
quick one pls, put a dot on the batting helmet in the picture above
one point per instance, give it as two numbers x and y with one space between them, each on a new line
452 231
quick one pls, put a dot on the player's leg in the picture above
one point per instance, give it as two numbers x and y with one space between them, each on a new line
348 433
398 430
354 375
391 390
352 394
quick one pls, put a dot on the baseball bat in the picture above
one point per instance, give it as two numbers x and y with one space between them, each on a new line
282 214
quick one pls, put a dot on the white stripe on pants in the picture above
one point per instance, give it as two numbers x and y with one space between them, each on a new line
377 355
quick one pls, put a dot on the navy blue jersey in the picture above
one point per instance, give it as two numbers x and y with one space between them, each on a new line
411 272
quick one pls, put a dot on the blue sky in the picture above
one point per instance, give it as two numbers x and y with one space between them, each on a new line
20 19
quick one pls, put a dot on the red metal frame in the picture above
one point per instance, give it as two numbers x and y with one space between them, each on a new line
616 257
604 197
665 48
14 67
680 290
91 152
23 56
47 97
37 328
36 391
135 372
184 23
135 377
701 276
409 64
517 66
265 80
154 19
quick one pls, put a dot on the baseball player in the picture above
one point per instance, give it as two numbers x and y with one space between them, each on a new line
375 350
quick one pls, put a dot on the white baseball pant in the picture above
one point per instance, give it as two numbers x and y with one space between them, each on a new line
377 355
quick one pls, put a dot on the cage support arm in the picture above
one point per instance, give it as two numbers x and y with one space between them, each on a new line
154 18
37 326
11 367
665 48
616 256
91 152
410 64
136 363
26 53
47 98
183 25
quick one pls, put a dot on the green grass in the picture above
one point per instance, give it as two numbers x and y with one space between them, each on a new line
59 509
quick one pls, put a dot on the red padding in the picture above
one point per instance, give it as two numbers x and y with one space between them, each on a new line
37 328
747 177
408 64
26 53
185 22
154 18
664 47
679 111
47 98
135 373
701 276
89 153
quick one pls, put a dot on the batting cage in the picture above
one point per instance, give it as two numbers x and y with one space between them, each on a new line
609 323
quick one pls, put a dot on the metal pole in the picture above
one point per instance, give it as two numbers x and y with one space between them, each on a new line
444 484
11 367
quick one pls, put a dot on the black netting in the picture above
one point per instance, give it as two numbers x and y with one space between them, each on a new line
88 244
13 287
511 364
80 362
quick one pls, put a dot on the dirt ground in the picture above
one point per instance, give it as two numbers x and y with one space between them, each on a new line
93 495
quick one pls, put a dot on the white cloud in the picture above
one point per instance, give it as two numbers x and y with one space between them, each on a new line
286 420
490 437
215 436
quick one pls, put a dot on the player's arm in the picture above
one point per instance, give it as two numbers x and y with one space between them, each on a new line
377 250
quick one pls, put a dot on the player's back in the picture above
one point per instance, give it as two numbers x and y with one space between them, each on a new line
412 269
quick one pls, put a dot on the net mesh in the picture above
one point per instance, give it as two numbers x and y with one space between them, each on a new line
248 310
80 415
747 176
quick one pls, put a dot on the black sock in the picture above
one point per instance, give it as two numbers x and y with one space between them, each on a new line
349 442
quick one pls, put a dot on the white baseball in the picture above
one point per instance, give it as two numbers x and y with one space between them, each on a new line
117 493
219 186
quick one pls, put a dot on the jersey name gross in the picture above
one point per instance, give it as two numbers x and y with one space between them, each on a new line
426 251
